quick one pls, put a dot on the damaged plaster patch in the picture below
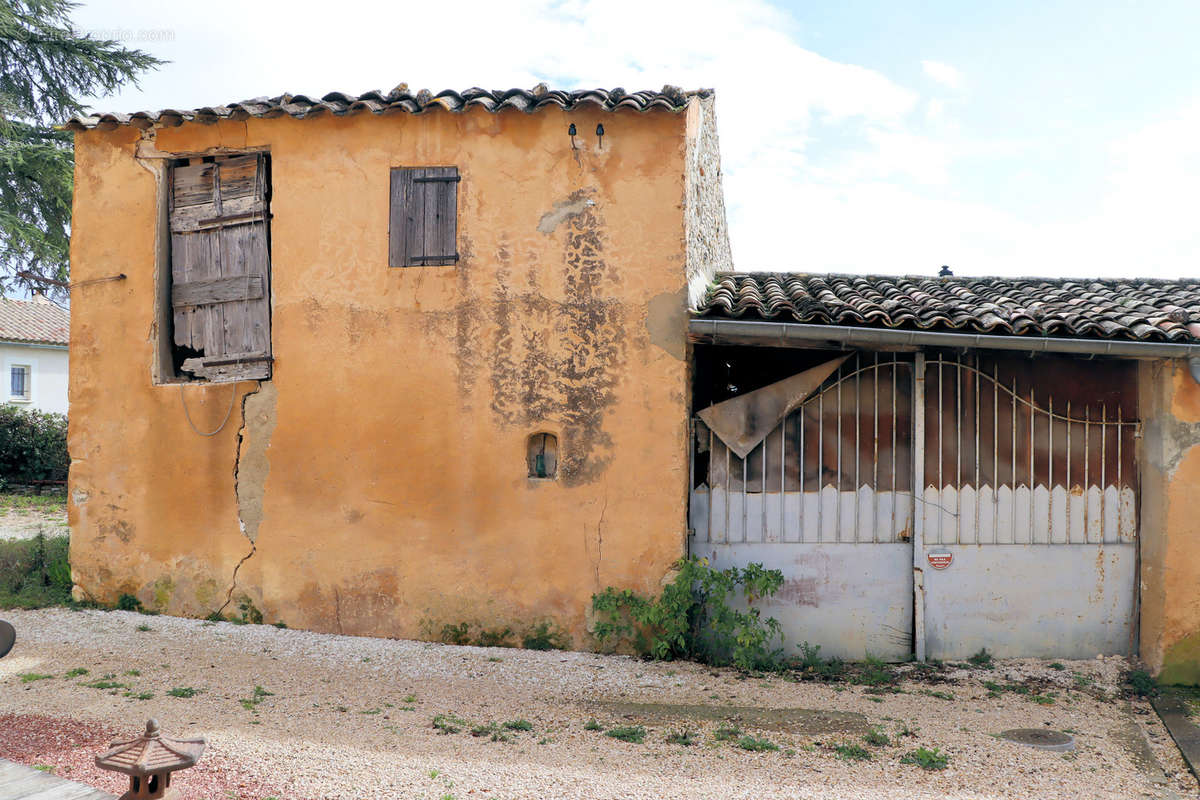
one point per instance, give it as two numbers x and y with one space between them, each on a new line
563 210
250 471
1168 441
666 322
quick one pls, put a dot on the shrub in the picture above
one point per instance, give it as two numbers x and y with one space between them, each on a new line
1142 683
33 445
34 573
456 634
693 618
926 758
627 733
756 745
128 602
498 637
545 636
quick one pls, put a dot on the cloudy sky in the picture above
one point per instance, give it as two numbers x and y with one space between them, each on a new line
1048 138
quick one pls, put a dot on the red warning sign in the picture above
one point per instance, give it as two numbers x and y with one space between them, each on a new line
940 559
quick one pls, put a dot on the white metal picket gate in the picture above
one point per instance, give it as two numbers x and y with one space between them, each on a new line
1034 532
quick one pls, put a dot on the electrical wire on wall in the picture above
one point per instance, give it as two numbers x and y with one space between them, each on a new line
228 411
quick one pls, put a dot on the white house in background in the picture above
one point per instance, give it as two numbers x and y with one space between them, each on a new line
33 351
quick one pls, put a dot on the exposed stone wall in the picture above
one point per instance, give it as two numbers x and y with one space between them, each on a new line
707 228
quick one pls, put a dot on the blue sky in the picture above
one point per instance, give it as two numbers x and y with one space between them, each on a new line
1053 138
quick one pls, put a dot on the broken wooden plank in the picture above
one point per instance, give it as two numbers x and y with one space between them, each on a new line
242 367
217 290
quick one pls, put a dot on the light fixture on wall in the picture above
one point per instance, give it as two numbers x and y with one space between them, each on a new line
599 135
571 133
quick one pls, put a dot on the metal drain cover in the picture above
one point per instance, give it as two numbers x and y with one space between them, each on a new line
1056 741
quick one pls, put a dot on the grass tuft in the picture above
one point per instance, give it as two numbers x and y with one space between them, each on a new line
627 733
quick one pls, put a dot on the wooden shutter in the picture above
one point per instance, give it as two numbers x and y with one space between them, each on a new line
423 229
220 267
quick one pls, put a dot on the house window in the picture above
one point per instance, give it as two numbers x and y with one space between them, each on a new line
19 383
541 455
219 318
423 223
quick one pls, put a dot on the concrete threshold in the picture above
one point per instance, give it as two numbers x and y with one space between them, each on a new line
18 782
1173 711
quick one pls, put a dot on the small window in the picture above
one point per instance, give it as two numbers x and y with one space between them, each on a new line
542 455
423 224
19 388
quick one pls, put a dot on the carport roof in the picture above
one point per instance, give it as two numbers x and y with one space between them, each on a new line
1142 310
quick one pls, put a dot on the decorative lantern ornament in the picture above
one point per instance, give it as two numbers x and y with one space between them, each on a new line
149 761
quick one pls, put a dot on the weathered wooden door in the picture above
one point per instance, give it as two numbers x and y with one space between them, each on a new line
220 267
827 499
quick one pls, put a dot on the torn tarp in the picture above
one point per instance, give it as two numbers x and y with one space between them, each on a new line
742 422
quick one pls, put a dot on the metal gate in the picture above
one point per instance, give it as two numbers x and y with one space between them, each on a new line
827 499
1022 539
1029 538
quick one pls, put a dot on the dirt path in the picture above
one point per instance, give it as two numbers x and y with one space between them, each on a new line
346 717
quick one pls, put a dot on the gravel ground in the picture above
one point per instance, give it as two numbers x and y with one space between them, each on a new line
351 717
25 523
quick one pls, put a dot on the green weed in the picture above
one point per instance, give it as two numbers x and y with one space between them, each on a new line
30 677
498 637
456 634
852 752
926 759
1058 665
756 745
545 636
726 733
877 738
627 733
35 573
183 691
518 725
448 723
684 738
75 673
592 725
982 659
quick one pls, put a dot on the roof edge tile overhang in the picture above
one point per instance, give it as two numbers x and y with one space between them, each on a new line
709 330
399 100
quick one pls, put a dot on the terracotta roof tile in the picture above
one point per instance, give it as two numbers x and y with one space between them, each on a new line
1134 309
35 321
400 99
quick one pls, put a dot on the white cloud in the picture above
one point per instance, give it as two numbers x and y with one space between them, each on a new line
828 166
944 74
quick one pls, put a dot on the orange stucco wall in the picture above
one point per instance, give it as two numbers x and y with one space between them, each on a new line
1170 524
381 473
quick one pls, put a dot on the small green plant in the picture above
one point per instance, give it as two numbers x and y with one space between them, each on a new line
982 659
592 725
755 744
852 752
1082 681
133 673
876 738
926 759
518 725
106 684
500 736
128 602
827 669
938 695
280 624
448 723
140 695
183 691
494 660
1142 683
497 637
1058 665
726 733
456 634
627 733
684 738
143 628
874 672
30 677
215 616
410 698
75 673
43 767
483 730
695 617
1043 699
544 636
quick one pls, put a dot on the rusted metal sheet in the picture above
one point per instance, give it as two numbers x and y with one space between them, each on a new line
1032 601
851 599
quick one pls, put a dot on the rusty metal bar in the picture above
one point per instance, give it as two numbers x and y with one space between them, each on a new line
820 466
1087 489
958 454
837 528
1012 473
711 493
1050 474
918 473
1120 465
1103 472
1070 522
875 460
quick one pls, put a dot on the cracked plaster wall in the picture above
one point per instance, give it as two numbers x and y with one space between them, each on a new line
377 483
1170 526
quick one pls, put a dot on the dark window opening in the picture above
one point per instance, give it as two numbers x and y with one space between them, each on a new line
423 223
219 320
542 455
